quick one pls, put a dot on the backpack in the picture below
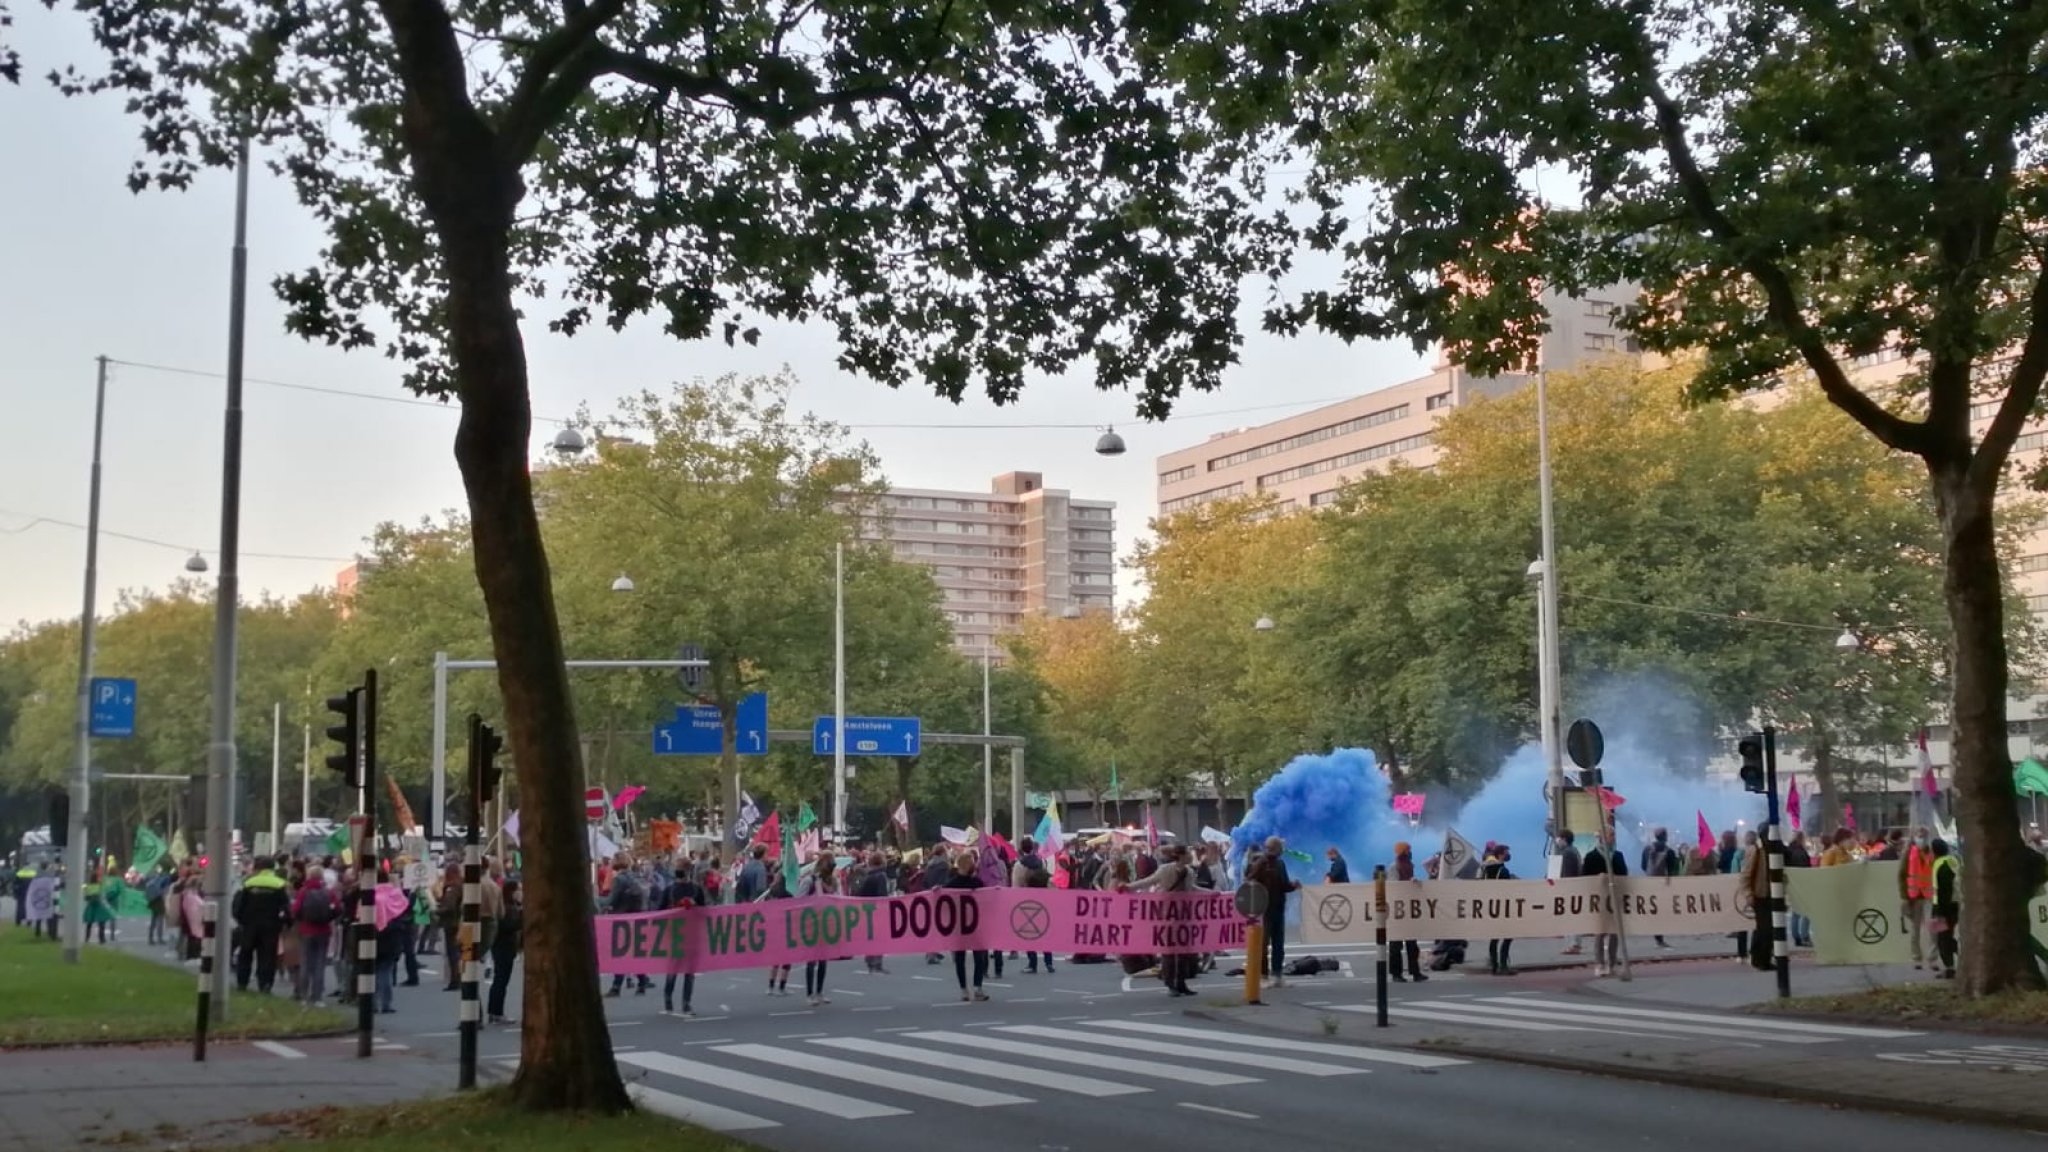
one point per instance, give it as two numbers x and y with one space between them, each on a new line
318 907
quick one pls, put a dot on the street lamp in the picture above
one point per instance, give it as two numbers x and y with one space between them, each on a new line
568 442
623 584
1263 624
1550 671
1847 641
195 563
1070 612
1109 443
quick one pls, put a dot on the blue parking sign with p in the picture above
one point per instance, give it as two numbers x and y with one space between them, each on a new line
113 707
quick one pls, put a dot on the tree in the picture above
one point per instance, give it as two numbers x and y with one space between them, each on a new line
1209 702
1715 554
1794 186
1087 665
965 194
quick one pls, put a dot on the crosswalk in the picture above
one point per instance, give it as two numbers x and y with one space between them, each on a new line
1576 1014
744 1087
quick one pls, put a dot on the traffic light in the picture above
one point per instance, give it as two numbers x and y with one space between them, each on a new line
349 734
60 818
195 809
487 744
1751 749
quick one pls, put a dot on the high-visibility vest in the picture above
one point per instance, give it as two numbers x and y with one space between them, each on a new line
1951 864
1919 874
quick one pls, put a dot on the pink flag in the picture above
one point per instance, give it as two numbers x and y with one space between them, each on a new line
1927 781
1849 817
1792 805
1706 834
1151 829
1609 798
627 796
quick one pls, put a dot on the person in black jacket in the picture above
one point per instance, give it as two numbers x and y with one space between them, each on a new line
261 909
1496 868
504 950
966 874
1946 906
1603 860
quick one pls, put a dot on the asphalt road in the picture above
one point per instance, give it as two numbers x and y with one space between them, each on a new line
1087 1059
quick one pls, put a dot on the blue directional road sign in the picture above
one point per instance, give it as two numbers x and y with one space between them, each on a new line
696 730
871 736
113 707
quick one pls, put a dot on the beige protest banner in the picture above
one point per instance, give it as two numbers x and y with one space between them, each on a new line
1858 916
1526 909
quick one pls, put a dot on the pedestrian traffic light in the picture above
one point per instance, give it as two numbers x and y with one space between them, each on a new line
1751 749
347 733
195 809
60 818
485 748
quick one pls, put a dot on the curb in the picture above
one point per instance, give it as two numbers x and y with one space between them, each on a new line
1949 1112
1931 1024
170 1041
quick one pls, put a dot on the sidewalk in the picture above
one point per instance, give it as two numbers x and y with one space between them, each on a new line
157 1098
1942 1075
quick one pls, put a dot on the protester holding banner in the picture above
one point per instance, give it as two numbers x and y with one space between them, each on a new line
1496 868
817 882
1603 860
505 948
967 877
1946 906
1408 950
1270 872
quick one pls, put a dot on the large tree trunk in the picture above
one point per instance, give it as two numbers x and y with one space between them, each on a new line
565 1048
1993 932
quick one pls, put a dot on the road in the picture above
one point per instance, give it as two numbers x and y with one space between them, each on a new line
1088 1059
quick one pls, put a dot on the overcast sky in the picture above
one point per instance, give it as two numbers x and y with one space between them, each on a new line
93 270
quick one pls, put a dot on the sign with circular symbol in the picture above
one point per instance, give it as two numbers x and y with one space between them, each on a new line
1252 900
1030 920
1745 903
1871 926
1334 912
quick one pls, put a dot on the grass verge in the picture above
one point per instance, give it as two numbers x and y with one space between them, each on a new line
1926 1004
480 1120
111 997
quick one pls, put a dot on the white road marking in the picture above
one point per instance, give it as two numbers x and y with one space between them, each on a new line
932 1087
1218 1111
691 1112
281 1051
1743 1022
783 1091
1565 1015
1009 1073
1274 1043
1174 1073
1184 1052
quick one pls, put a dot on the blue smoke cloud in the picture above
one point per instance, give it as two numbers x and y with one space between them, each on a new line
1341 799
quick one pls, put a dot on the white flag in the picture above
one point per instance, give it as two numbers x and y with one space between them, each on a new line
1460 859
749 815
902 815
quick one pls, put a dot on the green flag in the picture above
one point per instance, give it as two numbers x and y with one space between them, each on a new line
2030 777
1113 793
791 870
805 818
149 848
337 840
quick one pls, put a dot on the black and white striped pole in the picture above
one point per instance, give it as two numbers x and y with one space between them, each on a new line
209 918
1774 858
1379 937
483 784
366 869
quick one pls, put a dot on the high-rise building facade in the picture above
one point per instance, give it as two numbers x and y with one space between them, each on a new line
1303 461
1016 550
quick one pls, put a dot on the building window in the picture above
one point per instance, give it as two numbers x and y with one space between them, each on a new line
1602 342
1081 513
1440 400
1177 475
2038 562
1325 499
1330 464
1180 504
1600 309
1313 436
2031 442
1091 557
2037 603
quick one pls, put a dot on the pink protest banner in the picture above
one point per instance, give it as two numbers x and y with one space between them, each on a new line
1409 803
971 919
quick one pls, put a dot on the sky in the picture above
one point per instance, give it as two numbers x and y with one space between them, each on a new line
93 270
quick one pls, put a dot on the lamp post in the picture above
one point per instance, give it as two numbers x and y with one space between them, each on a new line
81 769
839 691
220 748
1549 672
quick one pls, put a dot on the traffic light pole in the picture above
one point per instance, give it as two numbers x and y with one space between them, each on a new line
472 908
366 869
1774 858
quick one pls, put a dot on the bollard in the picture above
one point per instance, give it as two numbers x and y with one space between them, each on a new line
1254 960
210 916
1379 937
1774 848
